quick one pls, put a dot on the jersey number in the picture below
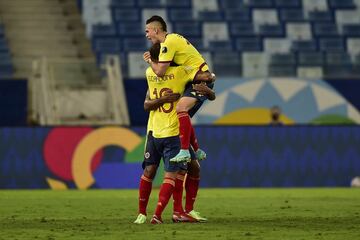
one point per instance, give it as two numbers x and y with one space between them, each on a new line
159 95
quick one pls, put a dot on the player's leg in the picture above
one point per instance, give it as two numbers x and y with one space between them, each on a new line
179 214
150 165
169 147
185 127
178 192
191 187
187 106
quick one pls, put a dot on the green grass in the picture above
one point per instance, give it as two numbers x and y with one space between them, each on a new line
233 214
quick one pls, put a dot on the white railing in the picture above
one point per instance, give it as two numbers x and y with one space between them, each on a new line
72 92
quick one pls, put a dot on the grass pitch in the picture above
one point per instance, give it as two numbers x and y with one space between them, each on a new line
233 214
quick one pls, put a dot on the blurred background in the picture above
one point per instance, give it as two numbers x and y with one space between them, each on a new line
72 88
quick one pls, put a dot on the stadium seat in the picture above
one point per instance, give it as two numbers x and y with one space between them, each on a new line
310 59
288 3
255 64
265 16
351 30
326 30
231 4
126 14
188 29
132 29
277 45
227 63
338 59
282 70
150 3
249 44
259 3
304 46
197 42
3 45
311 5
321 16
135 44
283 59
310 72
205 5
178 4
220 46
210 16
137 66
149 12
298 31
123 3
347 17
292 15
107 45
6 66
181 15
215 32
242 29
273 30
237 15
104 31
342 4
331 44
353 46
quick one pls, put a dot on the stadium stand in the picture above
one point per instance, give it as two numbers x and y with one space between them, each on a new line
293 28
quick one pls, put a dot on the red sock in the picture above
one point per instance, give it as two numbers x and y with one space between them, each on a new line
193 140
185 129
191 187
144 193
166 190
178 193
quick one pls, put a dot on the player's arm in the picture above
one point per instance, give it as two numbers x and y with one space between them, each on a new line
201 88
205 77
159 68
153 104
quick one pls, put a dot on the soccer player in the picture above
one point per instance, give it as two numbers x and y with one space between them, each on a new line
175 48
162 138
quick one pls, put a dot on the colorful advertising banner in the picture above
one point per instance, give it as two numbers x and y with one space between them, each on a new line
110 157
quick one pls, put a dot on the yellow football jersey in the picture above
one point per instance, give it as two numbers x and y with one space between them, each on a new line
178 49
163 121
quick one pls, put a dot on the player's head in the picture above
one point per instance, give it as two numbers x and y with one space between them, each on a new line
275 113
155 29
154 52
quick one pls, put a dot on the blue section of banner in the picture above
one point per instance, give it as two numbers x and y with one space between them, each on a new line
297 156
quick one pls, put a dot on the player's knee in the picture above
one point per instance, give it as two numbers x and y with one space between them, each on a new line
150 171
181 107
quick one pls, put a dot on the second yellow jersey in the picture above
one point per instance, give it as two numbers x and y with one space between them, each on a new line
163 121
178 49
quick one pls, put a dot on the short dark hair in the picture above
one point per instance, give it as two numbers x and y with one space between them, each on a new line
159 19
155 51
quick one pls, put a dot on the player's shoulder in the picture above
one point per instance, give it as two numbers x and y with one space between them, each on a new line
149 71
173 37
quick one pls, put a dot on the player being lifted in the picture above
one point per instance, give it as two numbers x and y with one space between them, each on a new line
176 49
162 140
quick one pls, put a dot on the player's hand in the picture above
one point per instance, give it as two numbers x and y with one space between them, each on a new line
147 57
169 96
201 88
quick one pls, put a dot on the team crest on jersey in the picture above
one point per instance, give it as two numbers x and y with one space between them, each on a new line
164 50
147 155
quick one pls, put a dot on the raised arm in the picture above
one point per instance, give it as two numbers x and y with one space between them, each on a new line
153 104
